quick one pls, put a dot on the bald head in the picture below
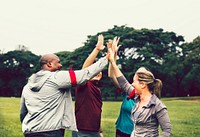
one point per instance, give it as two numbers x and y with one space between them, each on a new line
47 58
48 61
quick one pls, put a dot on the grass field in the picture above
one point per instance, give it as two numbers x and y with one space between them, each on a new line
184 115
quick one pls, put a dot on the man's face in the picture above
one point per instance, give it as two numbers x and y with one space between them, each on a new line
55 64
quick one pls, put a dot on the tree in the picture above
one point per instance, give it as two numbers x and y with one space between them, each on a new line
170 59
15 67
191 54
65 59
150 48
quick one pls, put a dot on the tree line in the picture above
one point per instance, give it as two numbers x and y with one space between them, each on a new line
166 54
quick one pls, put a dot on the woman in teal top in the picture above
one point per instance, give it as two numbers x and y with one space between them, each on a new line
124 124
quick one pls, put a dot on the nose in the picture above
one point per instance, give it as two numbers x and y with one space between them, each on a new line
60 65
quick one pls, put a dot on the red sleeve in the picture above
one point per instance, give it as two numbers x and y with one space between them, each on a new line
72 77
131 95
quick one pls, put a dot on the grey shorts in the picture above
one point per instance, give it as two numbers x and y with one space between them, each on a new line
85 134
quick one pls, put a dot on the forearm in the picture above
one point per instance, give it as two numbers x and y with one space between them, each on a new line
91 71
124 84
111 73
112 76
116 70
91 58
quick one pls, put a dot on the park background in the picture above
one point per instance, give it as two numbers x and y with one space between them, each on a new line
172 59
166 54
165 38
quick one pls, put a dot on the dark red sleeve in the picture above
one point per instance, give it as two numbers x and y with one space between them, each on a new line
72 77
131 95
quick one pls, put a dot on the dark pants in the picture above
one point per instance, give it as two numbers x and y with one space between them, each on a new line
55 133
74 134
85 134
121 134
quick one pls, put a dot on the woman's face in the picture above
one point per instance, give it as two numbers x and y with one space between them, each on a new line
136 85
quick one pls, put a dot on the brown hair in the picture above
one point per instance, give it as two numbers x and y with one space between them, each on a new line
146 76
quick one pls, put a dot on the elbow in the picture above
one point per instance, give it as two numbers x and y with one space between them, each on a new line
167 131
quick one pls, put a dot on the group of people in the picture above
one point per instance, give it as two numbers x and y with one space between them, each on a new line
46 107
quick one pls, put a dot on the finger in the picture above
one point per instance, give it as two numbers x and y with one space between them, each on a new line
114 40
110 41
100 38
118 48
118 40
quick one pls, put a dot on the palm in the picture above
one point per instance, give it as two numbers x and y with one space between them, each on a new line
115 44
100 45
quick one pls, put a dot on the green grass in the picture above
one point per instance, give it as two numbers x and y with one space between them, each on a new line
184 115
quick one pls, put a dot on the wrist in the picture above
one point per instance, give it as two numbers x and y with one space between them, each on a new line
112 62
97 49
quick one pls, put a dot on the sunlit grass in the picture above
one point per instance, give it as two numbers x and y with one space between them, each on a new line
184 115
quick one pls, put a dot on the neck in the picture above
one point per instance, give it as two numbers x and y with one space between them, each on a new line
145 96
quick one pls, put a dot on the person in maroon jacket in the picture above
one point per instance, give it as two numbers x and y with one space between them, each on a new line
88 100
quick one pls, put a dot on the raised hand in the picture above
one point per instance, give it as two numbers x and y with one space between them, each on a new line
99 45
111 53
109 43
115 46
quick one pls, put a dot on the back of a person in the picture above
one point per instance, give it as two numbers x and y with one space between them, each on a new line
124 122
88 107
46 104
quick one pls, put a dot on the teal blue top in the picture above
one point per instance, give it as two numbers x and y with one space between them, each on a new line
124 122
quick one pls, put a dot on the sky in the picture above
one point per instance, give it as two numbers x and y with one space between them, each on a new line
50 26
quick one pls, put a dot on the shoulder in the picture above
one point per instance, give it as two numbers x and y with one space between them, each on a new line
159 105
60 74
85 84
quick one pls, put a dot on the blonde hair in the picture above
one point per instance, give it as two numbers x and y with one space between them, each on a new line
146 76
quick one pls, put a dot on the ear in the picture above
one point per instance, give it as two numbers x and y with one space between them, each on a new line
100 75
49 64
142 85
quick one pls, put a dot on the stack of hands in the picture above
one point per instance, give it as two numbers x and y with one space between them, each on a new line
112 47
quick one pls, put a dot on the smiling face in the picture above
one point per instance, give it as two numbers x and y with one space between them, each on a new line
137 85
